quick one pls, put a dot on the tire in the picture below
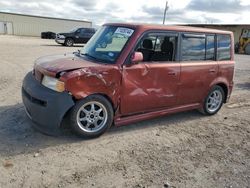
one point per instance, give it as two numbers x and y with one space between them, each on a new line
91 116
213 101
236 48
247 49
69 42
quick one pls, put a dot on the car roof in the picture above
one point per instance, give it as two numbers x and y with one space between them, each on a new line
170 27
85 28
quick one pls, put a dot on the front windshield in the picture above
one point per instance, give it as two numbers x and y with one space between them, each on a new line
73 30
107 43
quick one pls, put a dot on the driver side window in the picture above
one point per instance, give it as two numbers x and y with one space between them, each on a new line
158 48
78 31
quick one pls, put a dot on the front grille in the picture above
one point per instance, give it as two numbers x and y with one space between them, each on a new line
33 99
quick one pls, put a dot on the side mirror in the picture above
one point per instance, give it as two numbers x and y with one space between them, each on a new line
136 57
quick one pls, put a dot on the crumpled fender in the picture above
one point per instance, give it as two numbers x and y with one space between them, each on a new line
104 80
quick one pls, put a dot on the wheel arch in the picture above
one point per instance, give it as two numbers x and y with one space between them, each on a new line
70 37
108 98
225 89
223 82
64 121
101 94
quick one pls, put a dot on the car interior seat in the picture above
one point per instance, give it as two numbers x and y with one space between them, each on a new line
166 53
147 49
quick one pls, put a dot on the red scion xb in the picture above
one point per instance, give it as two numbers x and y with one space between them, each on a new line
128 73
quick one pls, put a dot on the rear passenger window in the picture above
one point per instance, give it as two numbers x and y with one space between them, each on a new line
89 30
193 48
223 47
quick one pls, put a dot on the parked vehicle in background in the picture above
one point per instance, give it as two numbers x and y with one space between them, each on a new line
243 46
48 35
128 73
76 36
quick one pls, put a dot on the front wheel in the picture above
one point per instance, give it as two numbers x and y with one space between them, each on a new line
69 42
213 101
92 116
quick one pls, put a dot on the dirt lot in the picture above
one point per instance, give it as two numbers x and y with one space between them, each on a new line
182 150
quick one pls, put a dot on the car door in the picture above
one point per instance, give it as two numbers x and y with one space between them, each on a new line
198 67
85 35
153 83
77 36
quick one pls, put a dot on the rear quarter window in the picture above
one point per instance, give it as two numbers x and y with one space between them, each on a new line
210 47
223 47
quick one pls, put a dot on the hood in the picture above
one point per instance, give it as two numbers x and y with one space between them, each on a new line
59 63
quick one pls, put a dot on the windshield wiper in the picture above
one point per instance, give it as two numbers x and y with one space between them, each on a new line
78 52
88 55
93 57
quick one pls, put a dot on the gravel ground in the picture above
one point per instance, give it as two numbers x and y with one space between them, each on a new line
181 150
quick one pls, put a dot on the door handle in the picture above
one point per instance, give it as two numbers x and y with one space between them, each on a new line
212 70
172 73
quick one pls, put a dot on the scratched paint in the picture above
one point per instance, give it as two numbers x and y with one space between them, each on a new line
138 88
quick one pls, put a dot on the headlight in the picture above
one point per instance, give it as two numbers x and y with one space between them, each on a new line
53 83
61 36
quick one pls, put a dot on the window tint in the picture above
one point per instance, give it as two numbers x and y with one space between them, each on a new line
92 30
89 30
210 55
193 48
83 31
223 47
158 47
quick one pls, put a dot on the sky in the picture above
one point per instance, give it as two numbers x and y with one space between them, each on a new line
145 11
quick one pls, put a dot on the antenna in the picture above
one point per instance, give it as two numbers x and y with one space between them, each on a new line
165 11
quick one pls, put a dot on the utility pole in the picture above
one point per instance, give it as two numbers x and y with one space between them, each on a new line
165 11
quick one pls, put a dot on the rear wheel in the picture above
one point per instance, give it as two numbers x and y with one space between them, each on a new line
213 101
92 116
69 42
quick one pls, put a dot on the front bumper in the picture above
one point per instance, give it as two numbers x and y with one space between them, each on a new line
45 107
60 40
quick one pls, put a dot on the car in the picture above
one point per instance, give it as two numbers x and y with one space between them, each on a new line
75 36
128 73
48 35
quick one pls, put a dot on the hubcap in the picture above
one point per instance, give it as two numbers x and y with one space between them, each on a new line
92 116
214 101
69 42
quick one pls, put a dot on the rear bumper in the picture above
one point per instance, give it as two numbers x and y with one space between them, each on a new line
45 107
230 89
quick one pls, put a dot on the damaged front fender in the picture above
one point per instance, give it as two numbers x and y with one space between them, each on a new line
91 80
